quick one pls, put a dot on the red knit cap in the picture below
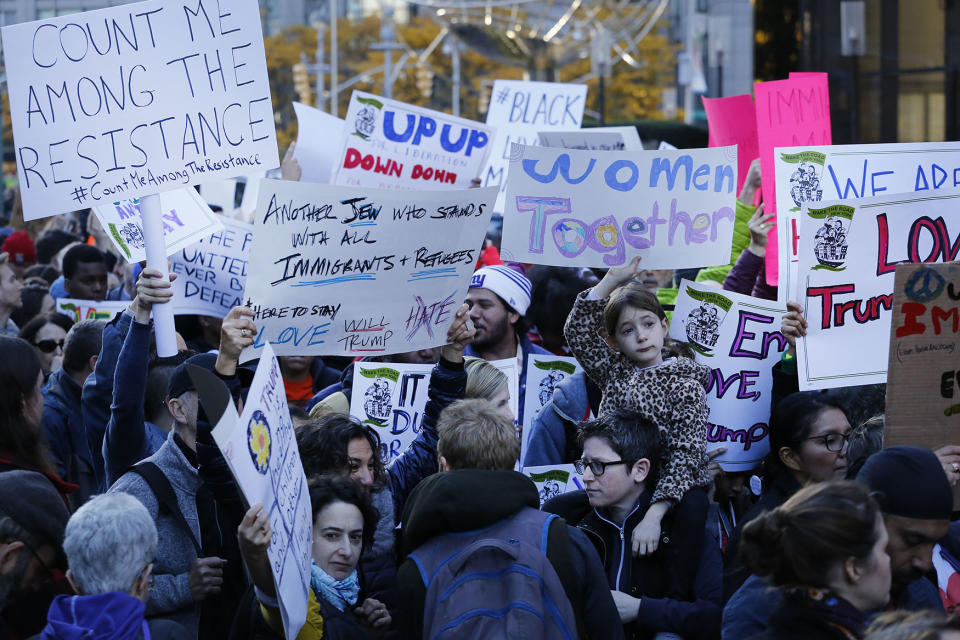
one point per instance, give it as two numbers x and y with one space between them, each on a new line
20 247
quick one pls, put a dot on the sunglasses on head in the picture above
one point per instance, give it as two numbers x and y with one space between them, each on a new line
48 346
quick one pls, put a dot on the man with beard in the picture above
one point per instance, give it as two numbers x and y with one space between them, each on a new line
499 298
33 517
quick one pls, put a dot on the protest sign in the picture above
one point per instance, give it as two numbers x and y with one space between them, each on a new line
666 146
520 108
732 121
789 113
847 252
212 272
133 100
811 174
595 138
393 145
390 268
510 368
220 193
739 338
261 450
554 480
79 310
390 398
923 381
186 218
600 208
544 373
319 136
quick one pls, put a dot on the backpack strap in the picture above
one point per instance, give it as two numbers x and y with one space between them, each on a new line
557 548
166 498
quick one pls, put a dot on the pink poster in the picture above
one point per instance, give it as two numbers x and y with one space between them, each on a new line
790 113
731 121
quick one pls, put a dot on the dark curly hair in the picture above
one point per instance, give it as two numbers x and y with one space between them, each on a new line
323 447
327 489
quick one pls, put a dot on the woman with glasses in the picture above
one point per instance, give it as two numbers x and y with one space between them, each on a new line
47 333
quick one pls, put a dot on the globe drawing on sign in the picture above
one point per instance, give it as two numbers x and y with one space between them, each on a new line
377 401
258 441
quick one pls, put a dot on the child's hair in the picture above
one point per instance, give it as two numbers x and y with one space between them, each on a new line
633 294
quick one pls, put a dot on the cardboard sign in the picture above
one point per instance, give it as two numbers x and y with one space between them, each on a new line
544 373
319 138
212 272
600 208
923 381
789 113
261 451
393 145
733 121
348 271
554 480
811 174
186 217
518 110
595 139
79 310
739 338
847 256
137 99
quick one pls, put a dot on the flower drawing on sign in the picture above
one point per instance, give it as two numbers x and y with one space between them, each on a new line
258 441
366 121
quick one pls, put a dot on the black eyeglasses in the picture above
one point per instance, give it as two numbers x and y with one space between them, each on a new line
596 467
832 441
48 346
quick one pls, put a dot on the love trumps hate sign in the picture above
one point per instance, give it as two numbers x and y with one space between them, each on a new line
576 208
351 271
137 99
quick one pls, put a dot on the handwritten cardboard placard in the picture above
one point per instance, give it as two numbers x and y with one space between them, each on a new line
554 480
348 271
923 381
392 145
319 137
137 99
79 310
739 338
600 208
544 373
846 262
518 110
261 450
811 174
212 272
595 138
789 113
733 121
186 217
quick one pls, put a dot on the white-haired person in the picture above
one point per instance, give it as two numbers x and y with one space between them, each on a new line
110 543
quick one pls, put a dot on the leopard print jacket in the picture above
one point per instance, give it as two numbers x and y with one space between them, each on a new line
671 394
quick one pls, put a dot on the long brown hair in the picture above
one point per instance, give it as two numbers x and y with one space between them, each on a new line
19 370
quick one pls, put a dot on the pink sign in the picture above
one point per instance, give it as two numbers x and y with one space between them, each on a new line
790 113
731 121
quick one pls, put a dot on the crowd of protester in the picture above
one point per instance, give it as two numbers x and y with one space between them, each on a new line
119 517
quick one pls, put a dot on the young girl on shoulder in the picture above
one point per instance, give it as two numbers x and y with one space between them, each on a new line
616 330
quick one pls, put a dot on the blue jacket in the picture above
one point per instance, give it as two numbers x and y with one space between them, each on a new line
63 426
548 443
98 391
528 348
104 616
129 438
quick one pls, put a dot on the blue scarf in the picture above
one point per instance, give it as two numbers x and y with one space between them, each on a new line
339 593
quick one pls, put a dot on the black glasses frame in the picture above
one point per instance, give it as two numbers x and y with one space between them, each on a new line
596 467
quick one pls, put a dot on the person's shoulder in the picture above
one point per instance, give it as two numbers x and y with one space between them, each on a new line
572 507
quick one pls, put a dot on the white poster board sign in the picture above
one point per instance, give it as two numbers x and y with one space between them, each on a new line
544 373
393 145
846 263
575 208
353 271
739 338
594 139
554 480
186 218
518 110
510 368
839 172
137 99
80 310
319 137
212 272
261 450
